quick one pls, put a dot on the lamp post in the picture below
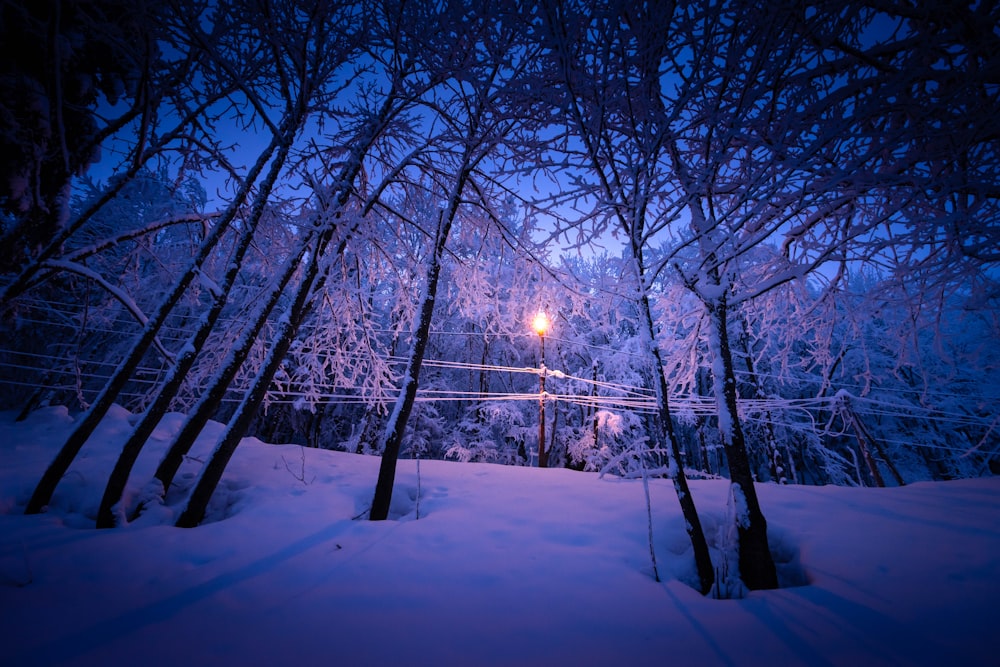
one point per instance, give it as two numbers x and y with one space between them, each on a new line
541 325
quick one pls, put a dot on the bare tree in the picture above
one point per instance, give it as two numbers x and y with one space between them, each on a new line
802 131
278 149
336 221
607 62
469 104
303 61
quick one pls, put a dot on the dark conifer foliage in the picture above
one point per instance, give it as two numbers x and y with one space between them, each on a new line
58 61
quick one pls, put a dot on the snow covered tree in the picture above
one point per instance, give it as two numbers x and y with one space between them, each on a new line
607 62
224 54
106 280
339 215
477 119
805 201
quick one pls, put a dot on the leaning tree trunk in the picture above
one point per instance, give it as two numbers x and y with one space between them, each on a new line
392 435
312 282
168 389
303 298
755 561
212 396
99 408
366 138
665 431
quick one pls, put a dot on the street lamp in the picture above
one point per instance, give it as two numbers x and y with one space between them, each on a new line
541 324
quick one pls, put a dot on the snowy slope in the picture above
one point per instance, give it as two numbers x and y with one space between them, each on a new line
505 566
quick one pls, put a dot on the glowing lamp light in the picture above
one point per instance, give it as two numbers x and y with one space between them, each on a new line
541 323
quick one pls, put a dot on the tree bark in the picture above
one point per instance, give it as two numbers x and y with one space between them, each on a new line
392 437
311 284
118 479
757 568
98 409
197 504
667 435
211 397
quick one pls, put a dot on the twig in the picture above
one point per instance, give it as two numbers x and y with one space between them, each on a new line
649 515
301 475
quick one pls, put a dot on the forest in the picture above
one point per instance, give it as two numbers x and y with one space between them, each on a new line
764 237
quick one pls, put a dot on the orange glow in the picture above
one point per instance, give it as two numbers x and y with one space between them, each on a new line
541 323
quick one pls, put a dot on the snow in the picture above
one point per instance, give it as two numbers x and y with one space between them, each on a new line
209 284
504 566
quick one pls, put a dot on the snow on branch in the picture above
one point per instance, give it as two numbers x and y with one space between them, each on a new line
117 293
110 242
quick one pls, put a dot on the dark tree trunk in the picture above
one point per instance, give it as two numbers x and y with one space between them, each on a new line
667 435
756 563
212 397
392 437
99 408
312 283
168 390
866 442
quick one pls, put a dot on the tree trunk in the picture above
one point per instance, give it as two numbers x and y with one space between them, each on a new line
866 442
312 283
99 408
212 397
667 435
168 389
756 563
392 437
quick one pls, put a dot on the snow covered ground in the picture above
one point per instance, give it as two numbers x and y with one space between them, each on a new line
504 566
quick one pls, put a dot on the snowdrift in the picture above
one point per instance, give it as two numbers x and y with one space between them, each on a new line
481 565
